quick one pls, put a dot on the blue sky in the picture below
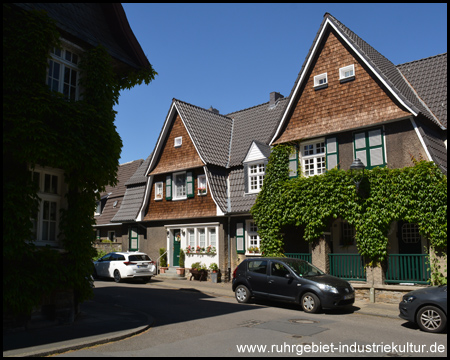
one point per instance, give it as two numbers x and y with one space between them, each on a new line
231 56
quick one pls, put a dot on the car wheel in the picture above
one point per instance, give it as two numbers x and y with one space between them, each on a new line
310 303
431 319
242 294
117 277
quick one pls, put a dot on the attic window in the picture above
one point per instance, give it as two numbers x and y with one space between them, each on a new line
178 141
347 73
320 81
115 203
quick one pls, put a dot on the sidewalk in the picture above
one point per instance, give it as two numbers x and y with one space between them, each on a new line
89 327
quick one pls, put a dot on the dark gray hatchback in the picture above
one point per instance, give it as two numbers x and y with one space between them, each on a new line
290 280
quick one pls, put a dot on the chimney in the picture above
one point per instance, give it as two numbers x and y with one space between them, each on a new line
215 111
274 96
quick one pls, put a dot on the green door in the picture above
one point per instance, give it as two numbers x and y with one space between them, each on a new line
176 247
133 240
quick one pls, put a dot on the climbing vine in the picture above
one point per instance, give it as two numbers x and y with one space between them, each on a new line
43 128
416 194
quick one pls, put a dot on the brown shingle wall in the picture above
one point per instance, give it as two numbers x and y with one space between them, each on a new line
173 158
338 107
198 206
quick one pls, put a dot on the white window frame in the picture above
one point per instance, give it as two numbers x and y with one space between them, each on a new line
159 191
47 198
345 69
194 234
315 159
202 186
98 209
256 173
178 141
318 80
176 187
252 238
59 56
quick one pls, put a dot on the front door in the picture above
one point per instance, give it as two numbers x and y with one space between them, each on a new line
409 241
176 247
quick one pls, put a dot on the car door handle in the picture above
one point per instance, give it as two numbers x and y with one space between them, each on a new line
270 281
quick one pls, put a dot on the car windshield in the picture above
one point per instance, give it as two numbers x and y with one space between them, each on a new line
303 268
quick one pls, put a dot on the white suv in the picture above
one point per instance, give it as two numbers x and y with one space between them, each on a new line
125 265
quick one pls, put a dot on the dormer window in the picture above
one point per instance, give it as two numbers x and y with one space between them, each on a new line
320 81
347 73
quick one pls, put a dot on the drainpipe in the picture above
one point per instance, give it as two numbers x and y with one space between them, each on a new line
229 227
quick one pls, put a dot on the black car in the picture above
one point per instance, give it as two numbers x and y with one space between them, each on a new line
426 307
290 280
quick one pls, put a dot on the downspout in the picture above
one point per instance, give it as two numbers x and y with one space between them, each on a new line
229 228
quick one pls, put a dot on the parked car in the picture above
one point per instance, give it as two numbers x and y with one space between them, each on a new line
426 307
125 265
290 280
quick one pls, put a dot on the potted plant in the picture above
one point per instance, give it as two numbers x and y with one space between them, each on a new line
163 260
214 272
198 271
180 270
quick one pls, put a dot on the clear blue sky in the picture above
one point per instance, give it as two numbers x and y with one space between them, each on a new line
231 56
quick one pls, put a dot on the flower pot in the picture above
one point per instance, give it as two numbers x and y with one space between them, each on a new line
163 269
214 276
180 271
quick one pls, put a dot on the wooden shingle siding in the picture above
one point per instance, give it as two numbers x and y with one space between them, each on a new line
198 206
340 106
180 158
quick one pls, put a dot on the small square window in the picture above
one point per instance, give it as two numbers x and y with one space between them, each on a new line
321 81
178 141
347 72
201 184
159 191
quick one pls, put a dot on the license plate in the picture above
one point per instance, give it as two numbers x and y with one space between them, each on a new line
350 296
142 266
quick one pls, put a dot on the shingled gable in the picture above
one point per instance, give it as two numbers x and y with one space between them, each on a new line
380 67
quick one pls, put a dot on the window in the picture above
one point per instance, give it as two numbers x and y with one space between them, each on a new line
347 72
258 266
179 186
278 270
369 148
212 237
293 162
201 185
45 224
98 209
253 239
256 174
347 234
313 157
201 238
63 73
159 190
112 236
410 233
178 141
321 81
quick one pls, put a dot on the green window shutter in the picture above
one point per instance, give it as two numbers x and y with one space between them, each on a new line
169 187
293 163
332 151
369 148
240 238
189 185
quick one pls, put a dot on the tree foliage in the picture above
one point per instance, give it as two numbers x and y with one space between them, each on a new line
43 128
416 194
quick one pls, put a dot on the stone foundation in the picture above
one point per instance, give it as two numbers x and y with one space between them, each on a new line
390 294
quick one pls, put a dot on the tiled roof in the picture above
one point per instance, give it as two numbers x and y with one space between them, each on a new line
240 202
257 123
134 194
96 23
429 78
116 193
210 132
217 180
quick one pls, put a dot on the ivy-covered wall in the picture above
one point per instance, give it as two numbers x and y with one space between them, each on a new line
416 194
41 127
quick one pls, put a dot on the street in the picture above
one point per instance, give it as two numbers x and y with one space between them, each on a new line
191 323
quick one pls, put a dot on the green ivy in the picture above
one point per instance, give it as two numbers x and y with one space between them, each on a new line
416 194
41 127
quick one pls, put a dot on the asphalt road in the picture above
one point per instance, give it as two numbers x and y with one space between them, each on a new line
191 323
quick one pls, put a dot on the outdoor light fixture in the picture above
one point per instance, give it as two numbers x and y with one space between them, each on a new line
357 165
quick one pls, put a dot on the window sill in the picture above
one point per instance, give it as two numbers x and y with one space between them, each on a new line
320 87
344 80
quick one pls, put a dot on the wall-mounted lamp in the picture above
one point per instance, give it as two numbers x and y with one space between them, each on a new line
357 166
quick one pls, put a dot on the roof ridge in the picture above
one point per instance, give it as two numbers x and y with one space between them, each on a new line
426 58
200 108
255 106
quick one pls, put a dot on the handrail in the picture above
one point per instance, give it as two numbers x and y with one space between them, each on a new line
157 260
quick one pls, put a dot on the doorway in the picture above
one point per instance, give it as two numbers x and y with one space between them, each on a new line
176 246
